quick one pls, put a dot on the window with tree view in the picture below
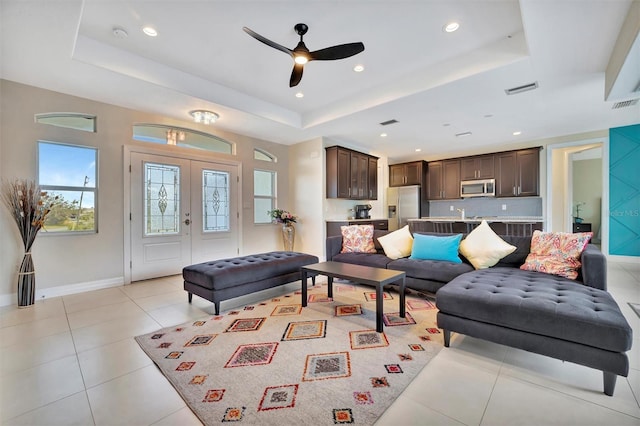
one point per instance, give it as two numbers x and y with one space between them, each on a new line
69 172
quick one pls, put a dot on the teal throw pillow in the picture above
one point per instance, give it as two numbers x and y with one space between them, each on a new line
430 247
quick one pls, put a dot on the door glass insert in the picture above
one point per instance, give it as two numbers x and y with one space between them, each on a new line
161 199
215 201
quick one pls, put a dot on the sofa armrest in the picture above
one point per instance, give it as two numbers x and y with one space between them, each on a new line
594 267
334 245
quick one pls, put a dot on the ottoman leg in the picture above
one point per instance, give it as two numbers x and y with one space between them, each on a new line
447 338
190 296
609 382
217 305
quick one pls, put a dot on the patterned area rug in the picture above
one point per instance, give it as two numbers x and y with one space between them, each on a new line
276 363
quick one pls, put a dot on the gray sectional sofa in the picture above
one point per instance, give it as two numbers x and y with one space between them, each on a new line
571 320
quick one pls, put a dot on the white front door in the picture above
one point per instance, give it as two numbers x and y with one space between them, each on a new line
182 212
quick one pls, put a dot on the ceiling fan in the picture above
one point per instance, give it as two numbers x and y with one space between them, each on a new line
301 54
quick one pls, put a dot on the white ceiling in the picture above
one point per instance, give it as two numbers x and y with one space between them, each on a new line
434 83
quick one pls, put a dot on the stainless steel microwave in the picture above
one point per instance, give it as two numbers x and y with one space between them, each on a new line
478 188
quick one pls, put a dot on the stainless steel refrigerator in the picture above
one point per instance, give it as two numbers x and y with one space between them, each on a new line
403 202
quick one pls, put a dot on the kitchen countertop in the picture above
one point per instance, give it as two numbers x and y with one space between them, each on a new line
510 219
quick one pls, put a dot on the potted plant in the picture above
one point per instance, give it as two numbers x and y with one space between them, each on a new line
29 207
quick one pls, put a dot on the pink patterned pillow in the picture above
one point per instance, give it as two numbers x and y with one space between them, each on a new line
357 239
556 253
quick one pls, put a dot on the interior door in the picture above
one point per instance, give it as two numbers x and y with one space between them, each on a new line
182 212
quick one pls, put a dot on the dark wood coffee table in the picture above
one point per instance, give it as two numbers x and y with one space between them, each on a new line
377 277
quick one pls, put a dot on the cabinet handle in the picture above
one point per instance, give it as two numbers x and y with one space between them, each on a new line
514 191
519 192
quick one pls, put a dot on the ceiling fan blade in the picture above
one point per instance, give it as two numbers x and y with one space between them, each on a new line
296 75
340 51
267 41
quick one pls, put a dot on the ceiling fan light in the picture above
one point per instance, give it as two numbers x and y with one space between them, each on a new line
301 59
203 116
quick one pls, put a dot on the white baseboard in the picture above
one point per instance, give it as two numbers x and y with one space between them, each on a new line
64 290
622 259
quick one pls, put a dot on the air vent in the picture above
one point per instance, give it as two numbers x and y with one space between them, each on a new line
520 89
624 104
386 123
463 134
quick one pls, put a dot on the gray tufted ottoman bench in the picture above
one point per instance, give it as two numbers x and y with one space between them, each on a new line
224 279
539 313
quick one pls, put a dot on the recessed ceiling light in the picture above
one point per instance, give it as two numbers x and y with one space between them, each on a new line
299 95
451 27
446 125
488 115
517 133
150 31
418 149
383 135
358 68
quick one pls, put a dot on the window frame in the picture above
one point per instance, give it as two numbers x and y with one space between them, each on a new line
270 158
273 197
54 188
41 118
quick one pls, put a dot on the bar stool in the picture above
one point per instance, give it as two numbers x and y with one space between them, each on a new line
443 227
519 229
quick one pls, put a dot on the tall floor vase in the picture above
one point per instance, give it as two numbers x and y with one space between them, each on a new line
288 236
26 282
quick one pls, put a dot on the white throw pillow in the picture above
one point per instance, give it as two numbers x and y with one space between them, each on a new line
484 248
398 243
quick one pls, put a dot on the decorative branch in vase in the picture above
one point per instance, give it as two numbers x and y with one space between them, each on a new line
288 230
29 207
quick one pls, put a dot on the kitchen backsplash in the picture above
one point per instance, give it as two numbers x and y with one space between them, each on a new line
525 206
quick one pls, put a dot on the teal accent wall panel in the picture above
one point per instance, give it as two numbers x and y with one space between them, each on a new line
624 191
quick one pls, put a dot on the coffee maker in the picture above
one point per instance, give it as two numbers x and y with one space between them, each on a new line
362 211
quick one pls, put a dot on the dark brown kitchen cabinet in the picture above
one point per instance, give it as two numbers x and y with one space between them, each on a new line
373 178
518 173
479 167
405 174
348 174
444 179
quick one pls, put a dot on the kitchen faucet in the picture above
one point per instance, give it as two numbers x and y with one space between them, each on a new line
461 213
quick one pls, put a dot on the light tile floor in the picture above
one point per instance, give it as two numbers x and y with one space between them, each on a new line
72 361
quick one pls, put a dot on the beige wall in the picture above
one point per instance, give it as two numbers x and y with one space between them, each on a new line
97 260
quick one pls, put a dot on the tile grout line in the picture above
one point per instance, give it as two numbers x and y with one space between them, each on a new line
75 349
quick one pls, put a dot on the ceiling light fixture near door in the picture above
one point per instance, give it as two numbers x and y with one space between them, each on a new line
518 133
203 116
451 27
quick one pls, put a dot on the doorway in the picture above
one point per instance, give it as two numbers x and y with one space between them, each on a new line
182 211
560 200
